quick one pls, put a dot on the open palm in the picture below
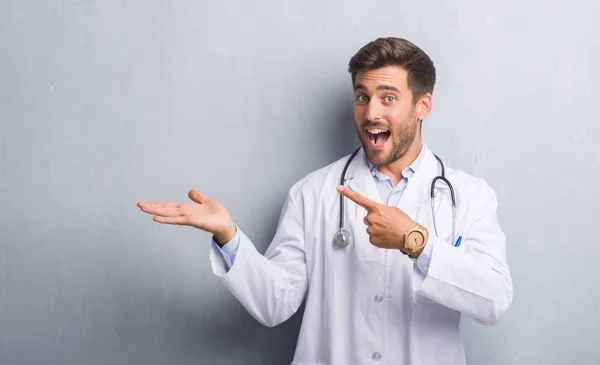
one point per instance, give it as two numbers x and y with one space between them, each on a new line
206 214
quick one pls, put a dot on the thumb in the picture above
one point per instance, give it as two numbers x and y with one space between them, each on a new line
196 196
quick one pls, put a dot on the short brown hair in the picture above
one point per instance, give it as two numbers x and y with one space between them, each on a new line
392 51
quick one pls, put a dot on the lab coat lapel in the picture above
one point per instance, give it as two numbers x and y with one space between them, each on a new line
418 189
359 178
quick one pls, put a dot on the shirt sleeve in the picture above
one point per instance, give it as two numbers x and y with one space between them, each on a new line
425 257
229 249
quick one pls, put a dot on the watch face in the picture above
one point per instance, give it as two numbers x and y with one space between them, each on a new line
415 239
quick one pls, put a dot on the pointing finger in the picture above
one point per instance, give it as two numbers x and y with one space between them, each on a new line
369 205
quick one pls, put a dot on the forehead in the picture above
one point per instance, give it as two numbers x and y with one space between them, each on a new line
390 75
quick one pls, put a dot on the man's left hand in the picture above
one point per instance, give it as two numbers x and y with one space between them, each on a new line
386 225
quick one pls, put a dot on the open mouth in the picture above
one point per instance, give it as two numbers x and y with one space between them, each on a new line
377 137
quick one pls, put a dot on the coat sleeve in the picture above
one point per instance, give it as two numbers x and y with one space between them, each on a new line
272 286
473 279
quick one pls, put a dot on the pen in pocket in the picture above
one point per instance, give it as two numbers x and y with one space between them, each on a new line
458 241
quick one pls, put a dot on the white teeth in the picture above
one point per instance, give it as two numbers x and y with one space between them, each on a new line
377 131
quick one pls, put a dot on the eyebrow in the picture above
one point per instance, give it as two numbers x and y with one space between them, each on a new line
380 87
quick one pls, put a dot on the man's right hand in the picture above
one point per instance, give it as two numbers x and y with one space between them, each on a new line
208 215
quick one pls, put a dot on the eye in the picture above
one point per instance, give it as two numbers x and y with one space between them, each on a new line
390 99
362 99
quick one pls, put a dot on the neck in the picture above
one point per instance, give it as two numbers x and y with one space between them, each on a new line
394 169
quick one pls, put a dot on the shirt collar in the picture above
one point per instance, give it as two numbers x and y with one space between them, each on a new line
407 173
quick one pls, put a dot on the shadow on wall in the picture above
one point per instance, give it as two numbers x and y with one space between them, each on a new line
207 331
266 345
272 345
341 134
195 328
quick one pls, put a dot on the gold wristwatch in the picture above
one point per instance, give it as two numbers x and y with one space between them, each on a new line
414 240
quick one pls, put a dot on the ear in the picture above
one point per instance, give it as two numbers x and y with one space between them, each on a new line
424 106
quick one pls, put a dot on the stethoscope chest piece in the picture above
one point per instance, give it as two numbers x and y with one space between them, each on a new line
342 238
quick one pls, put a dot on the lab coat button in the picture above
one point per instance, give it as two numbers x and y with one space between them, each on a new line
376 356
378 298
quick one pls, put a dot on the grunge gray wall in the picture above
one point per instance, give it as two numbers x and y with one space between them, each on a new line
105 103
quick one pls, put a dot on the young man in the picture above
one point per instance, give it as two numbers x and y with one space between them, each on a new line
393 286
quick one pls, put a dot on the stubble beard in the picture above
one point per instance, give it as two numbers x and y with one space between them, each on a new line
401 143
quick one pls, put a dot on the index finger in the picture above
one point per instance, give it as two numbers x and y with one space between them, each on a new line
356 197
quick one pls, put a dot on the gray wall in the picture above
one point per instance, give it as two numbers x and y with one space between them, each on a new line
104 103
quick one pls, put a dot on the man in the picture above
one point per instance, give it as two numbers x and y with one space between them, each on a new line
395 293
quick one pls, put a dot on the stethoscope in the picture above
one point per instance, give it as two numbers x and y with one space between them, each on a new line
343 237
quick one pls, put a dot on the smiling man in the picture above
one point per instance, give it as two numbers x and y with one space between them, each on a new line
389 261
393 113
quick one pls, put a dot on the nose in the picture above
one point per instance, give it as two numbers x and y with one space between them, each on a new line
373 110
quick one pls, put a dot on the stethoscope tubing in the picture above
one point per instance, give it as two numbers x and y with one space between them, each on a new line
343 237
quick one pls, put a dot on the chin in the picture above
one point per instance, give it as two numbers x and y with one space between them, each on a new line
377 157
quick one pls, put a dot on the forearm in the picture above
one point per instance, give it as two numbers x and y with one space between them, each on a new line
476 284
269 289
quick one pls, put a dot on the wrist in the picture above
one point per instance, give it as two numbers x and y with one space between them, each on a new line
224 236
403 233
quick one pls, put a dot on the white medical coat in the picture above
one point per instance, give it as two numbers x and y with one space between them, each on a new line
366 305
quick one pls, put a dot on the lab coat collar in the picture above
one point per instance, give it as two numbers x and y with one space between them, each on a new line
359 178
